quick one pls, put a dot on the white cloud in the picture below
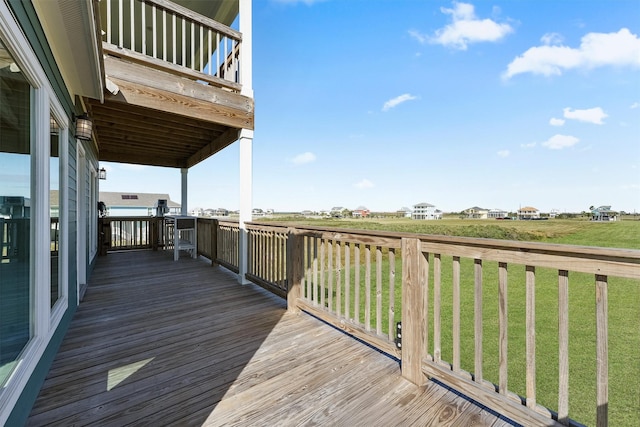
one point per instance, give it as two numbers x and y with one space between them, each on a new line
634 105
418 36
596 50
364 183
394 102
466 28
556 122
529 145
503 153
590 115
304 158
551 39
558 142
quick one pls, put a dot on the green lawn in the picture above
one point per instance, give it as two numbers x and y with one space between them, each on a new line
624 310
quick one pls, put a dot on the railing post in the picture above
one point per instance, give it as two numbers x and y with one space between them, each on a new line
154 235
214 242
295 268
413 311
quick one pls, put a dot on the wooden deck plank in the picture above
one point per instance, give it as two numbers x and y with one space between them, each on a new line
158 342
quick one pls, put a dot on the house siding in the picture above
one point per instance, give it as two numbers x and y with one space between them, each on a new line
25 15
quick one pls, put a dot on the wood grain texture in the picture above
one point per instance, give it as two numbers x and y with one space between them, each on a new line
189 346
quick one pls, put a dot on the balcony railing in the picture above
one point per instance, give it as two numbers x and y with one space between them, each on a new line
165 35
488 317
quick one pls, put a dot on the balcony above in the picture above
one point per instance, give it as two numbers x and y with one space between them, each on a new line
173 90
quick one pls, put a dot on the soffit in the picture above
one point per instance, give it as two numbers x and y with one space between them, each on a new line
70 29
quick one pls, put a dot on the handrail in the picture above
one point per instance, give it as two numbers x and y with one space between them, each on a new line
165 32
326 265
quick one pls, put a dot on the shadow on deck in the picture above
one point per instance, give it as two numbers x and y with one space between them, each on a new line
158 342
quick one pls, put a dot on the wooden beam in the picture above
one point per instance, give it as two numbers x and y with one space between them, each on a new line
138 159
162 100
222 141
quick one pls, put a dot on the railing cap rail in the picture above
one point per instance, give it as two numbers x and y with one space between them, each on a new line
631 255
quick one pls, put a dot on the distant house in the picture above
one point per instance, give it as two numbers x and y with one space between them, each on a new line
360 212
220 212
425 211
528 212
497 213
306 212
603 213
136 204
257 213
338 211
197 212
477 213
404 212
554 213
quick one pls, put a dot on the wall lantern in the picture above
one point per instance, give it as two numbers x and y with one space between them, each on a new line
102 173
84 126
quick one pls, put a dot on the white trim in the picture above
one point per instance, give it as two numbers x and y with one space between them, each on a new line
81 218
246 200
43 103
184 190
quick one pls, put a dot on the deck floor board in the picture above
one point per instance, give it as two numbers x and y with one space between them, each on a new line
158 342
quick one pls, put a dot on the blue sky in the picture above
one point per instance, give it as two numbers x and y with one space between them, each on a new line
388 103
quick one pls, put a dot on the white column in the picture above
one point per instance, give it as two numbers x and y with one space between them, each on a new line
246 50
183 203
246 189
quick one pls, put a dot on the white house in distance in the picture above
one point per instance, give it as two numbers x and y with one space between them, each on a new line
425 211
528 212
603 213
497 213
360 212
136 204
404 212
477 213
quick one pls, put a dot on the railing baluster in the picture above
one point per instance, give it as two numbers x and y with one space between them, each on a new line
309 263
143 28
478 321
164 34
120 23
201 68
330 275
323 243
602 352
456 313
154 14
563 347
193 44
392 294
175 37
437 301
209 50
378 290
531 335
338 279
367 286
133 27
315 270
218 54
356 283
109 30
503 325
347 280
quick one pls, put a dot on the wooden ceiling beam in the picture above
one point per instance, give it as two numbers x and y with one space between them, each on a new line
214 146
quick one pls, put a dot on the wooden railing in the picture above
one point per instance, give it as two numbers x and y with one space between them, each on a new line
129 233
493 319
163 34
228 245
267 257
457 323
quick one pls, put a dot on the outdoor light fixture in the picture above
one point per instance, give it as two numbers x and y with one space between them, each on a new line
102 173
84 125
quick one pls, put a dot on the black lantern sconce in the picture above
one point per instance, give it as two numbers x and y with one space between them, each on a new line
102 173
84 126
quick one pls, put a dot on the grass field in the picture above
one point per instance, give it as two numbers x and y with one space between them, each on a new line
624 310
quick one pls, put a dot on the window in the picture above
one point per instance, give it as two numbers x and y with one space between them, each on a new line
16 190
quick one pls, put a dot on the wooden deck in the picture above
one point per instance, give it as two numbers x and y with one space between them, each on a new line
158 342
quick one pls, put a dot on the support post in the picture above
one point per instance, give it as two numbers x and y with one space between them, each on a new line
246 51
413 311
183 206
295 268
246 189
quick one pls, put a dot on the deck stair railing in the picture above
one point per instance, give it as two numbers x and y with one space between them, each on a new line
165 35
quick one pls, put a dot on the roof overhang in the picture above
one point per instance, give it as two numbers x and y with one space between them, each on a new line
70 28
